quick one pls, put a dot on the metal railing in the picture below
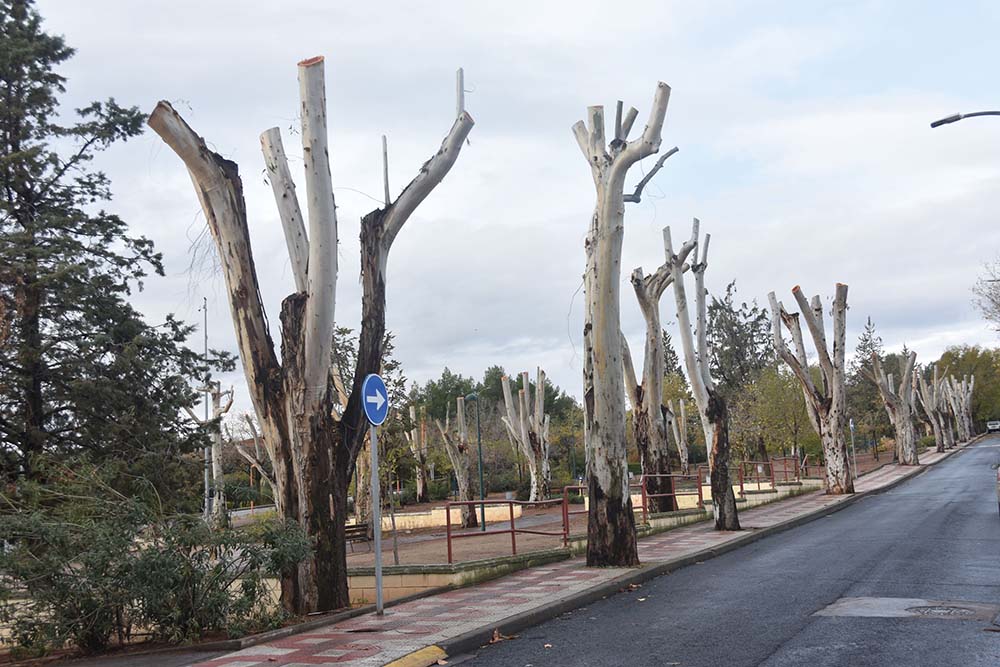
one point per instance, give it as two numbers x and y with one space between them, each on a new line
513 530
784 469
754 472
673 494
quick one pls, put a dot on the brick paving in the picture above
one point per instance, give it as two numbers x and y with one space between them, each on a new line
369 640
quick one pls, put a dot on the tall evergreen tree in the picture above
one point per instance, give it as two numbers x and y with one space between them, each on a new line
864 405
81 373
739 341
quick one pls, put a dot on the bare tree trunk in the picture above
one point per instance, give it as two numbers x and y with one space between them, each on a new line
611 523
528 426
456 444
931 400
678 424
416 437
315 431
825 408
899 405
711 406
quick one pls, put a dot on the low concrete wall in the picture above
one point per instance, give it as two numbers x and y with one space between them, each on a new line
436 517
402 580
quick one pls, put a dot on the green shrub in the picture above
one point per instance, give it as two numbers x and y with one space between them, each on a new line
190 580
926 441
85 565
439 489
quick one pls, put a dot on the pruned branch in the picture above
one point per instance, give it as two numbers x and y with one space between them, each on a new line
636 195
287 201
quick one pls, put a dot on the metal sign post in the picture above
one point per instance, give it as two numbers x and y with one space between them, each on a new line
854 454
376 406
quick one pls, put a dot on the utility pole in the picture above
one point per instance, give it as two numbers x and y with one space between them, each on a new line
208 449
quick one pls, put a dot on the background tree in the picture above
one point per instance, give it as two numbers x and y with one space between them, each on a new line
898 399
984 364
82 374
528 424
739 341
652 419
711 403
456 442
826 402
864 403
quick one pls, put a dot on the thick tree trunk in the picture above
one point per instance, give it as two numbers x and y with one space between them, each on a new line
825 408
611 537
456 444
711 406
528 426
679 426
314 445
723 496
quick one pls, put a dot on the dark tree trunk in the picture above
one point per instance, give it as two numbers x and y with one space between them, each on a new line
653 462
722 487
610 530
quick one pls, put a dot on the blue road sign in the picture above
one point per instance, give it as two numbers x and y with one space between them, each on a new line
375 399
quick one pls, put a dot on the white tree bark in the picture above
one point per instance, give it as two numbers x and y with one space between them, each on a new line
416 437
651 420
528 426
456 444
694 343
679 426
932 401
899 404
611 523
826 407
314 437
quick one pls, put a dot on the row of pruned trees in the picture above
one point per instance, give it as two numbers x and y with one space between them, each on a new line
609 366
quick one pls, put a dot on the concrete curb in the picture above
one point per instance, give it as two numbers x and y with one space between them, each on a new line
480 636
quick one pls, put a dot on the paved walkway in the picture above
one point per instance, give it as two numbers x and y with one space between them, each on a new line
369 640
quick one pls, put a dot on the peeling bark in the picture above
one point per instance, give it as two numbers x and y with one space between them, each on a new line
416 437
528 426
711 406
313 427
456 444
611 525
899 405
826 407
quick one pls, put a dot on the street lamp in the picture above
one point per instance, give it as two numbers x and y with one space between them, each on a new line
479 440
959 116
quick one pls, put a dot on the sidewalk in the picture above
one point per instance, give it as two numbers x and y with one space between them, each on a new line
463 619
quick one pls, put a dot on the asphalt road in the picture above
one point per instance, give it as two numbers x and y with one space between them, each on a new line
935 537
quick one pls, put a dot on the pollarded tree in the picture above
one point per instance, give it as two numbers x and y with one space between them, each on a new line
678 424
313 420
260 459
825 407
711 404
527 424
416 438
933 402
899 405
456 444
611 522
651 419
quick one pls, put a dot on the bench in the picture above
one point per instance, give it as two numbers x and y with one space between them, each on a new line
357 532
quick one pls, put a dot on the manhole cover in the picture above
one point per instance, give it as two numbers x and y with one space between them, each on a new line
947 611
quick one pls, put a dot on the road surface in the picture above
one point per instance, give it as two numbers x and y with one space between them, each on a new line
935 537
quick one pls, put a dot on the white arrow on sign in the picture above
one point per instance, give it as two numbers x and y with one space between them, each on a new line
378 399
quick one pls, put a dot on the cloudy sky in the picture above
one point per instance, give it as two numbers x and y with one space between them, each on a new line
804 149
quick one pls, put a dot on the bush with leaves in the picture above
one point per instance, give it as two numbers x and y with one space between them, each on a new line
84 565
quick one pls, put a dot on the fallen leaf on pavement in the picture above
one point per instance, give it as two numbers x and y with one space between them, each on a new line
497 637
548 646
642 599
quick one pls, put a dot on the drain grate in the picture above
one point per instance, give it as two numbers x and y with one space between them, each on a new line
873 607
943 610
